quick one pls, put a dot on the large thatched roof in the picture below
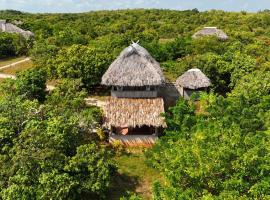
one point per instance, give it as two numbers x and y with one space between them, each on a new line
211 31
124 112
193 79
134 67
10 28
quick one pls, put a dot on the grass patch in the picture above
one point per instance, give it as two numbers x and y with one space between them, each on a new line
165 40
8 61
134 175
18 68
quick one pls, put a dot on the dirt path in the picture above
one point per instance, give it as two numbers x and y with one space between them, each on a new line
15 63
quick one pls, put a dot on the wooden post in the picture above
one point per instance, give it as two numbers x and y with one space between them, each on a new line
183 92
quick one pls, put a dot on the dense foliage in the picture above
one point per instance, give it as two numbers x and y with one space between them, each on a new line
217 148
92 40
13 45
48 149
221 152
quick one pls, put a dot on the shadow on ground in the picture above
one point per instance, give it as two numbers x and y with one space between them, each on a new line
121 185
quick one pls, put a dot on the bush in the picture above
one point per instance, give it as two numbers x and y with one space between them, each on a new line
32 84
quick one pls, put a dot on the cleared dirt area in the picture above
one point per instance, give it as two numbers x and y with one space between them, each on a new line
17 67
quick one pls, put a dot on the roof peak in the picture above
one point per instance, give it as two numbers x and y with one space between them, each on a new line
134 67
211 27
194 70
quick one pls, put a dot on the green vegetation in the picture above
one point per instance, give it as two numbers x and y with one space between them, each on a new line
83 45
48 148
222 153
13 45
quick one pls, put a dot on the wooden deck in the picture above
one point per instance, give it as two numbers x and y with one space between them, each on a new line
134 140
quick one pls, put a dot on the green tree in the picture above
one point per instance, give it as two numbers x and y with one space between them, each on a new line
82 62
47 151
221 153
32 84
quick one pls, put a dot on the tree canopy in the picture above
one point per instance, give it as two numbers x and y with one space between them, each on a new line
49 149
214 148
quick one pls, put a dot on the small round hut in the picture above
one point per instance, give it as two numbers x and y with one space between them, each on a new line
133 112
192 81
211 31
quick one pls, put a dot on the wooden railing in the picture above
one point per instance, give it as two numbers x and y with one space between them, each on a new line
134 140
134 94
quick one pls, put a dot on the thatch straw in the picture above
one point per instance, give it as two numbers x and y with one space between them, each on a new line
134 67
193 79
211 31
123 112
10 28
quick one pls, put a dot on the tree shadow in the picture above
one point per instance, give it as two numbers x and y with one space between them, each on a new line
122 184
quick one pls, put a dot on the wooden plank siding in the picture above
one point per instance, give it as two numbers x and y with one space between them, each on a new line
134 140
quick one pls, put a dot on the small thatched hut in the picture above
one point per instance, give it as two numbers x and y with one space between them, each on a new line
192 81
134 110
211 31
10 28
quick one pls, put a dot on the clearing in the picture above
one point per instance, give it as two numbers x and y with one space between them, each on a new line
133 175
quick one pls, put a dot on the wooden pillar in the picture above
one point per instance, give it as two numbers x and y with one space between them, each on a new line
111 130
183 92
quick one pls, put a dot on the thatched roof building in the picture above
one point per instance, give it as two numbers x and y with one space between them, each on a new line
125 112
192 83
10 28
134 67
193 79
211 31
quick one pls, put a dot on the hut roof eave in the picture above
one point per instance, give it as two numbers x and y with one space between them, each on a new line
124 112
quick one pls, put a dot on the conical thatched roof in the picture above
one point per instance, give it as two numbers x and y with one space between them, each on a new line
211 31
134 67
193 79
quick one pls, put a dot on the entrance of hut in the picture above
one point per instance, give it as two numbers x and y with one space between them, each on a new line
144 130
